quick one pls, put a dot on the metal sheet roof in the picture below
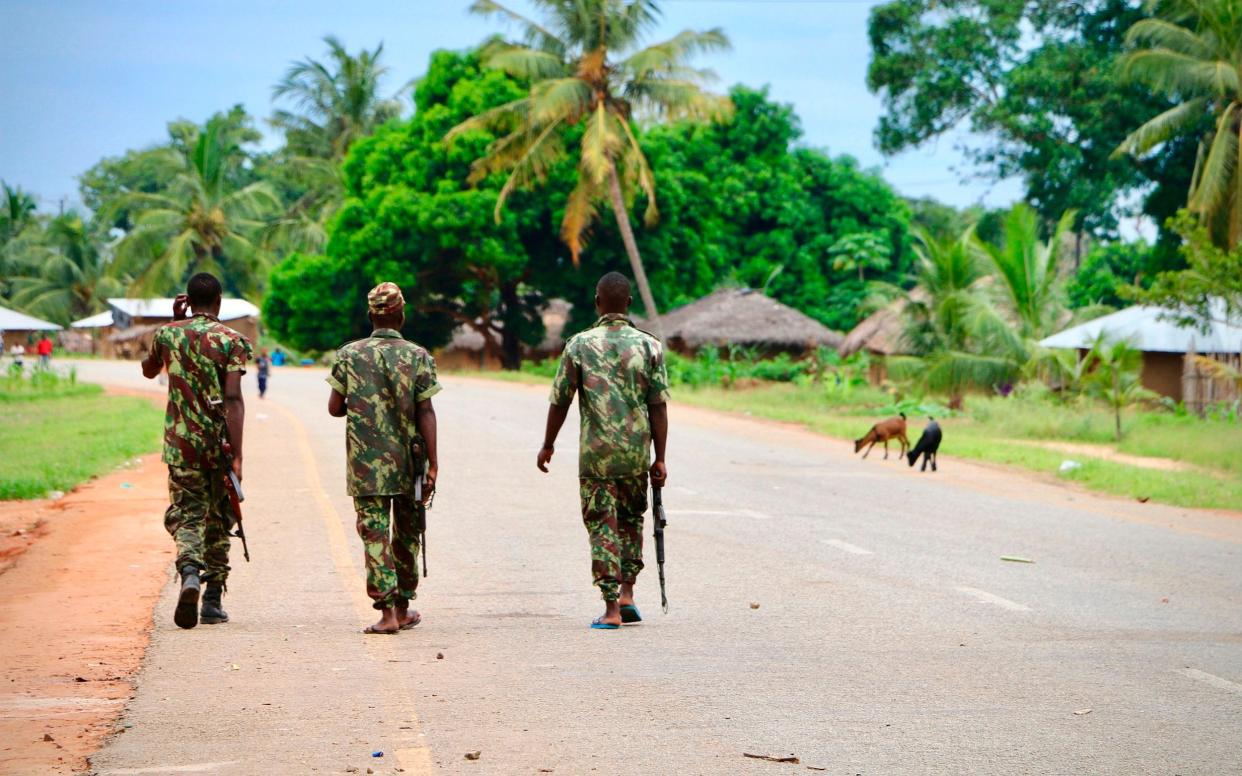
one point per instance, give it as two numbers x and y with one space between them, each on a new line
95 321
230 309
1153 329
12 320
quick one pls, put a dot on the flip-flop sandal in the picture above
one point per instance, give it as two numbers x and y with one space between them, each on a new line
371 630
417 619
597 625
630 615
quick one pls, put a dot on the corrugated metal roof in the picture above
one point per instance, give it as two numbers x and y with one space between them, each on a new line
12 320
95 321
230 309
1153 329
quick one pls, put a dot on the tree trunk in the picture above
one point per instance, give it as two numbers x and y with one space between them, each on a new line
631 249
510 345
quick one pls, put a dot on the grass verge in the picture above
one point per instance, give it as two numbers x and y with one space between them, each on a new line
57 441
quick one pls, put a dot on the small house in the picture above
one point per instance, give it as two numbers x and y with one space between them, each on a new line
133 323
1168 347
21 329
469 350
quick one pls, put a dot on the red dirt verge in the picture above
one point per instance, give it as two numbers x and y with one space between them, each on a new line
75 614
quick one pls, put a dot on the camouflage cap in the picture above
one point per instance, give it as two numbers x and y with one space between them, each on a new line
385 299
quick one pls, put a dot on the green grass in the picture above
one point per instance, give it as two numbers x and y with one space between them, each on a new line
61 438
991 429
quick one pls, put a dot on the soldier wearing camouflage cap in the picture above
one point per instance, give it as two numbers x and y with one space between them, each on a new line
619 376
205 361
383 386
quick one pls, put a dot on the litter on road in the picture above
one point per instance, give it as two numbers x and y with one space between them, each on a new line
1016 559
772 758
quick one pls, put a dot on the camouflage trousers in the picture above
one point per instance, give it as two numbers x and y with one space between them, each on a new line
199 518
613 513
389 547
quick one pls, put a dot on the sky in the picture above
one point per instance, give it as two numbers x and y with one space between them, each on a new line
85 79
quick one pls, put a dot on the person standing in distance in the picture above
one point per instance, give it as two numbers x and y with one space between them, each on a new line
619 376
382 386
264 364
205 361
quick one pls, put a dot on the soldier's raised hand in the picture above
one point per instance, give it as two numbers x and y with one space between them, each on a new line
180 304
545 457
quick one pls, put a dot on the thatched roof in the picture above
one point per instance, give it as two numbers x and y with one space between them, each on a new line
882 332
745 317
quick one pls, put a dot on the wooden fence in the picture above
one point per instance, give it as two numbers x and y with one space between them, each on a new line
1204 386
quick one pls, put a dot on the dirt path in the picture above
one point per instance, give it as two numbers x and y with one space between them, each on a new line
75 613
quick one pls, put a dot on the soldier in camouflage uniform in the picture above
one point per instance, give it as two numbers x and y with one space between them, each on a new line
383 386
618 374
205 361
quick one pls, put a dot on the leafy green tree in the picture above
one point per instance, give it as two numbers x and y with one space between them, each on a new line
60 273
1036 84
576 79
741 200
1192 52
334 103
410 216
1209 288
201 221
861 251
1107 271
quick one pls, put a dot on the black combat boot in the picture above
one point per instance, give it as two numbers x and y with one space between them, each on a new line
186 615
213 612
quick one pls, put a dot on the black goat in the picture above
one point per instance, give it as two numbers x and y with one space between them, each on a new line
928 445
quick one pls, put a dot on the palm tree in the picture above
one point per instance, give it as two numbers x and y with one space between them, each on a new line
1192 51
200 223
575 79
62 273
1115 375
18 212
963 340
1028 271
334 103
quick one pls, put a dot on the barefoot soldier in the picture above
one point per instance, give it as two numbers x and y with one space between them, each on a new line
205 361
618 373
383 386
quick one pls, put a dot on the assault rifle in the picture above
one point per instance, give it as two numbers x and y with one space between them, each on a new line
232 486
418 471
658 523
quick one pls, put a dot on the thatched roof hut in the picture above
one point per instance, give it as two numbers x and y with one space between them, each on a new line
883 333
747 318
468 350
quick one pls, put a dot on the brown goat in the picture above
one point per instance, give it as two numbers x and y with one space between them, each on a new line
893 428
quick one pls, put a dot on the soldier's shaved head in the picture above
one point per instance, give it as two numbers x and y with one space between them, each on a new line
612 293
204 291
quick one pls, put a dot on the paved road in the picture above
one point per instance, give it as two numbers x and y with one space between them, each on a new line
890 638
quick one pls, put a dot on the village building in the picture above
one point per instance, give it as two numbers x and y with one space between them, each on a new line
125 329
1170 350
744 317
469 350
21 329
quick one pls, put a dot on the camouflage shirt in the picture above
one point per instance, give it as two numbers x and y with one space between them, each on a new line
382 378
198 352
617 371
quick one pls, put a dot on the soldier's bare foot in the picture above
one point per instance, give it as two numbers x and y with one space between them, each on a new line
408 618
387 623
611 615
627 594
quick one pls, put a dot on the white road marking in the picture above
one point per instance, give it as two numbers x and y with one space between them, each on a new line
853 549
1211 679
990 598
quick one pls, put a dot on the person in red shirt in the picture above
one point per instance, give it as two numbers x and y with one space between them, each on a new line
44 349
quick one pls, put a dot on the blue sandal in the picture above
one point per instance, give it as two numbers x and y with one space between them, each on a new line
597 625
630 615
